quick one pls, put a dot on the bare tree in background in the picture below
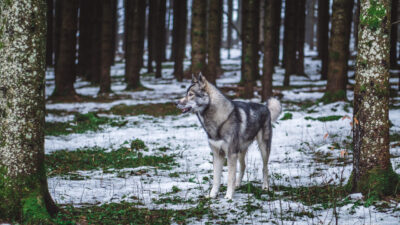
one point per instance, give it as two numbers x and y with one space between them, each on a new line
289 41
160 36
198 37
393 35
179 36
49 36
323 36
214 39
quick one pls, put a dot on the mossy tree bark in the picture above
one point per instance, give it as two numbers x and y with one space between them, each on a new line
133 56
65 69
372 170
323 36
107 39
214 39
198 37
393 35
179 36
249 46
160 37
24 194
268 60
338 50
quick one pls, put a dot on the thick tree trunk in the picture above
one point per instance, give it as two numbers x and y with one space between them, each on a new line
300 26
49 36
179 36
213 43
289 42
106 45
94 69
198 37
133 56
85 30
277 29
150 36
323 36
338 50
229 34
393 35
372 170
249 50
268 61
24 193
160 38
65 71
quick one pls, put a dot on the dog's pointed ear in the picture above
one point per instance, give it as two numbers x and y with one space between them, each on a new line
202 80
194 79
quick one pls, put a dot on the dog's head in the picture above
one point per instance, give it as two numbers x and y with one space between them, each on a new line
197 98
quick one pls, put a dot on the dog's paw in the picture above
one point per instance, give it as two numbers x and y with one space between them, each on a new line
265 187
228 196
213 194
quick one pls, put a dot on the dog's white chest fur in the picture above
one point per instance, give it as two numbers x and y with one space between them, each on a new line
218 144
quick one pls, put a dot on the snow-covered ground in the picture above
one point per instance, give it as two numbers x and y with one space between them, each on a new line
298 145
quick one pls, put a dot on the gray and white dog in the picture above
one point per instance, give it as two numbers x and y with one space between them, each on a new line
231 126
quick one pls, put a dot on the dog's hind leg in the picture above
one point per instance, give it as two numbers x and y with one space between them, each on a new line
218 162
264 144
242 161
232 163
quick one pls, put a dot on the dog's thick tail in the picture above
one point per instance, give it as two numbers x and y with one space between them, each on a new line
275 108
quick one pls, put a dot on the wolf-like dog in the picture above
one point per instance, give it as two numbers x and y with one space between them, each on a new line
231 126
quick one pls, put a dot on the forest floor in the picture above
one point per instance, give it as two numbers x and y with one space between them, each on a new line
134 158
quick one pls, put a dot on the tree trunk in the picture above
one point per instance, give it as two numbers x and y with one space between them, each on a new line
323 36
133 42
198 37
85 30
94 69
249 50
49 36
268 62
393 35
300 26
277 31
229 34
338 50
289 42
142 30
310 23
160 37
57 29
179 36
372 170
65 71
114 30
214 37
150 36
356 23
106 45
24 194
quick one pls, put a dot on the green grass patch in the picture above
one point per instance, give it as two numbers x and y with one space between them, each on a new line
324 118
129 213
65 162
395 137
157 110
287 116
81 124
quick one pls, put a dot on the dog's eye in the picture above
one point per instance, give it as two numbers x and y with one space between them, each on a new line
190 94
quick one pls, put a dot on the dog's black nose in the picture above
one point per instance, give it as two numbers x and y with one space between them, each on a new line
176 102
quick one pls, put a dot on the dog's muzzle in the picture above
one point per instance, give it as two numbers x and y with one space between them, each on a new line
184 108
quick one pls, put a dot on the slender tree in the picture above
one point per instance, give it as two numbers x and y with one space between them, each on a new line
179 36
289 41
65 71
229 32
268 60
150 36
323 36
249 46
372 174
310 20
338 50
160 38
133 56
85 30
24 194
277 28
57 29
198 37
213 43
49 36
106 45
94 69
114 30
393 35
300 35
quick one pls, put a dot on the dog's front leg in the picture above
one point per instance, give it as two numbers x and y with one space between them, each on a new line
232 163
218 163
